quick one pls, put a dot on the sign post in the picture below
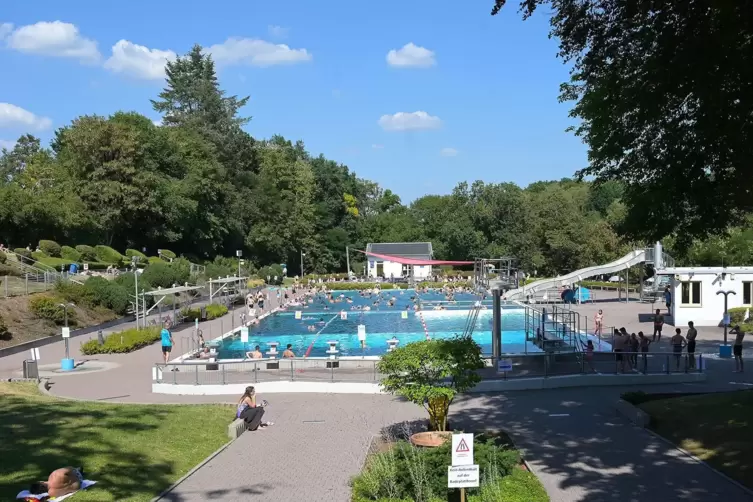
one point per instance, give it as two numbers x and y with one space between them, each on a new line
463 473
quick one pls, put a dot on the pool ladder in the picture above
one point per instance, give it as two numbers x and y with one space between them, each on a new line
470 323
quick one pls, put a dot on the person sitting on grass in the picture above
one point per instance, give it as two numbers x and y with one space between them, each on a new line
251 412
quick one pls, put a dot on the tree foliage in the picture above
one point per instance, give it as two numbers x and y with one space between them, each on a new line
662 95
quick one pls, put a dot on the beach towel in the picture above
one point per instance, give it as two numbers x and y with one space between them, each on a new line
30 497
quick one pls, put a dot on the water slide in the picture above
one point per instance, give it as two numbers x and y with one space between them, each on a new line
629 260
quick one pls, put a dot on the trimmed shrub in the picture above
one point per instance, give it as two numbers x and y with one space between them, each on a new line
23 252
269 273
87 253
190 313
50 248
7 269
3 258
122 342
214 311
255 283
168 254
127 282
106 254
70 254
130 253
47 307
5 334
155 259
75 293
108 294
164 275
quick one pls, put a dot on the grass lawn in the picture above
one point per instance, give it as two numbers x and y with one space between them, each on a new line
717 428
132 451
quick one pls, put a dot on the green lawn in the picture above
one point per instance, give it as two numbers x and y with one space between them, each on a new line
717 428
132 451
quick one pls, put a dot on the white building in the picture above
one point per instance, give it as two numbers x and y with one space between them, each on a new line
383 267
695 293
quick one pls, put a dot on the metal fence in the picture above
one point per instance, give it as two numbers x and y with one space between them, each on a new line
11 285
208 372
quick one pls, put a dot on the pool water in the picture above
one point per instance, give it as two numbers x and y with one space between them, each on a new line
324 320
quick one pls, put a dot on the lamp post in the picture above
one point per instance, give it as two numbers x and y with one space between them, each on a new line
725 350
67 362
302 255
239 253
134 267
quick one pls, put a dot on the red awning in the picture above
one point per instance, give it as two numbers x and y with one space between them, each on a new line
413 261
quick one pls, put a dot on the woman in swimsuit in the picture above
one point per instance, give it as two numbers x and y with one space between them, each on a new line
598 321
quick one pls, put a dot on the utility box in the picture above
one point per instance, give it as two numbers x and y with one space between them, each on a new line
31 370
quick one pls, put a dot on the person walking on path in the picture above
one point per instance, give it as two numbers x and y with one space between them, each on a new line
737 349
658 325
167 341
690 337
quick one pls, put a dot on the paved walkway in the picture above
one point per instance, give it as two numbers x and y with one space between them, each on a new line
574 441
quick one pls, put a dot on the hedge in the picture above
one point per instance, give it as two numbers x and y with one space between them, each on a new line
255 283
106 254
130 253
87 253
47 307
5 334
23 252
214 311
122 342
70 254
168 254
50 248
3 258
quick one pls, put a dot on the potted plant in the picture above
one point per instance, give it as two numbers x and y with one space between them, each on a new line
430 374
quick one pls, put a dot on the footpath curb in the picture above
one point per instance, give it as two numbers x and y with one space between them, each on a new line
632 413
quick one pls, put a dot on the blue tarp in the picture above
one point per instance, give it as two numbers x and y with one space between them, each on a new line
585 295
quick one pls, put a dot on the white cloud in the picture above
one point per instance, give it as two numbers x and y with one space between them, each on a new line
377 147
255 52
5 29
448 152
54 38
409 121
411 56
7 144
157 122
12 116
277 31
138 61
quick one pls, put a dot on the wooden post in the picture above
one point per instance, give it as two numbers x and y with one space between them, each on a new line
462 495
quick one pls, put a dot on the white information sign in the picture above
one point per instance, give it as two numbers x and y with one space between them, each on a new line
462 449
244 335
361 333
66 332
404 314
463 476
298 314
86 266
504 365
34 354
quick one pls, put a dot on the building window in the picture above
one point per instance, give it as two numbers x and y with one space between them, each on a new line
690 293
747 292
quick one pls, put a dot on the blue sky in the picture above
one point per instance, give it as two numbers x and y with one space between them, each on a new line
488 85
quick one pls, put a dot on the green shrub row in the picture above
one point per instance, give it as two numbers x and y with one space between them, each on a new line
23 252
213 311
392 474
5 333
3 258
48 307
122 342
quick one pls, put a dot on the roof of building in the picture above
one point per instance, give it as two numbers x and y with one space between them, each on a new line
419 250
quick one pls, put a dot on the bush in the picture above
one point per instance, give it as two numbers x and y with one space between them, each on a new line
87 253
127 281
122 342
70 254
636 397
392 473
164 275
75 293
5 334
47 307
106 254
269 273
110 295
255 283
130 253
3 258
50 248
214 311
23 252
190 313
168 254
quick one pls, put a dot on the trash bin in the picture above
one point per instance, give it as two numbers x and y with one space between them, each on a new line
203 314
31 370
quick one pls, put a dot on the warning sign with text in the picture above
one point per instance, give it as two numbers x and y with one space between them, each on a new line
462 449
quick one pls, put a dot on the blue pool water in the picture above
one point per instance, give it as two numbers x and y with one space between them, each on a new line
321 322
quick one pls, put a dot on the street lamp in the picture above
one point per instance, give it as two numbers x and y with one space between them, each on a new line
134 267
65 306
302 255
239 253
725 352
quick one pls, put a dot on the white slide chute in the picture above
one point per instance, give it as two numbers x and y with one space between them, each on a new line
629 260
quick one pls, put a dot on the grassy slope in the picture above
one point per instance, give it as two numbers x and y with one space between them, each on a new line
717 428
132 451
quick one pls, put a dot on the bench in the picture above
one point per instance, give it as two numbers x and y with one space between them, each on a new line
236 428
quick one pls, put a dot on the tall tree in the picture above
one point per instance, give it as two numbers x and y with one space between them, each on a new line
662 93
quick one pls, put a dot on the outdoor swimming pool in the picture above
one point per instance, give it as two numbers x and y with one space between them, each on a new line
321 321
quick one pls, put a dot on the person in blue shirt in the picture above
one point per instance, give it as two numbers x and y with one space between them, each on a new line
668 299
167 341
